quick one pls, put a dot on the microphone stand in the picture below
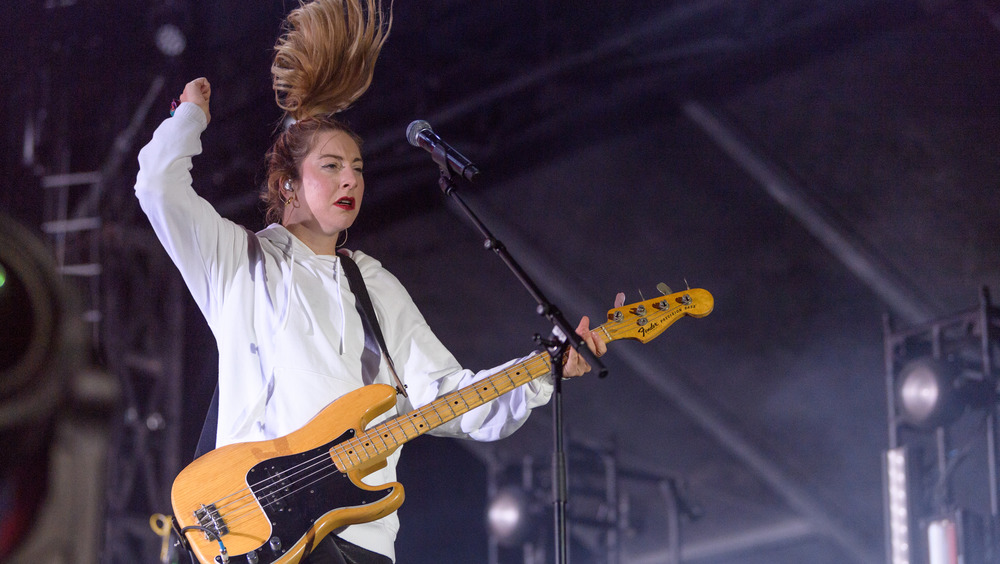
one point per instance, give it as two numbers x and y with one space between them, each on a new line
556 348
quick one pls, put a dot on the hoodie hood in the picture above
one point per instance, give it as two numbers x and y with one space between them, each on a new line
298 254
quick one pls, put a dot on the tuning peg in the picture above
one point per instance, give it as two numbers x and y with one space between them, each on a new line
620 299
664 289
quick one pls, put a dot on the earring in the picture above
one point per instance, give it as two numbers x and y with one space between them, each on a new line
288 188
344 242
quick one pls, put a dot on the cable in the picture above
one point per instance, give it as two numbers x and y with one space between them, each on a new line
222 548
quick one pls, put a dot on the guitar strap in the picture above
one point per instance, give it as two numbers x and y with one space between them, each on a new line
369 320
209 430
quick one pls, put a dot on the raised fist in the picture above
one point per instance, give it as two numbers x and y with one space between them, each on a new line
198 91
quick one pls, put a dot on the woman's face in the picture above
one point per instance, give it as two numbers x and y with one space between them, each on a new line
331 186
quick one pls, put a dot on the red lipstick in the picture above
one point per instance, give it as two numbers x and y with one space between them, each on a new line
346 203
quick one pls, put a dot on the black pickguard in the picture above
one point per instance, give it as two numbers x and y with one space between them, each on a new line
294 504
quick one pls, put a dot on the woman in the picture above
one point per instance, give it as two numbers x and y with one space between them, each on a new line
289 335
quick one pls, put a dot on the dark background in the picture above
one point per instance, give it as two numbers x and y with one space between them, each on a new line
815 165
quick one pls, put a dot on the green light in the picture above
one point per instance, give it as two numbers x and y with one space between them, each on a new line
3 276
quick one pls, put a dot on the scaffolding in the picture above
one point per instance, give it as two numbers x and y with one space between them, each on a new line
132 302
940 471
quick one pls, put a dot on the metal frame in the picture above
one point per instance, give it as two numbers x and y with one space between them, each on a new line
978 328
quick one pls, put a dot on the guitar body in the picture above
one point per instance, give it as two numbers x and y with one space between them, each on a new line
272 501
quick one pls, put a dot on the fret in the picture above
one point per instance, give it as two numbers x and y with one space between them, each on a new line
475 390
408 420
506 374
397 422
501 387
401 429
365 444
444 411
447 404
385 435
338 460
429 410
382 436
398 434
351 453
484 388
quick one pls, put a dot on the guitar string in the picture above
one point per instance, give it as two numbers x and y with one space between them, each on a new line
234 516
264 488
610 328
506 373
340 450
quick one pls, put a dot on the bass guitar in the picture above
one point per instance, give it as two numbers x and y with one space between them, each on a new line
270 502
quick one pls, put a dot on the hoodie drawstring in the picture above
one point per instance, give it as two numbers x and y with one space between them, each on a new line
289 284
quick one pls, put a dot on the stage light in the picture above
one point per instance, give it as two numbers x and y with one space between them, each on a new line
942 542
170 40
34 328
509 517
957 537
167 25
41 342
899 489
927 393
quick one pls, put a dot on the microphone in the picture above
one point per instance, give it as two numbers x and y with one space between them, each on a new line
420 134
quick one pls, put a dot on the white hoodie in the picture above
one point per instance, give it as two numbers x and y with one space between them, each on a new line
290 338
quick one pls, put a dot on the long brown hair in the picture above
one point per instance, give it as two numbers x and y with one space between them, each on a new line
323 62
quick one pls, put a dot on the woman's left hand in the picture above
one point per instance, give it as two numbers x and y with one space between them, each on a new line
575 364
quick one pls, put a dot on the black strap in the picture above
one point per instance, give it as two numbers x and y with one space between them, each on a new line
360 291
209 430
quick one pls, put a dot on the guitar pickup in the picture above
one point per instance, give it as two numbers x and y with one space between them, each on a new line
273 492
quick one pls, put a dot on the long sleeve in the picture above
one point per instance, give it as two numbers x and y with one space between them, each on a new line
205 247
430 371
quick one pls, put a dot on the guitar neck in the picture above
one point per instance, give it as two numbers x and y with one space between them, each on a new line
376 443
640 321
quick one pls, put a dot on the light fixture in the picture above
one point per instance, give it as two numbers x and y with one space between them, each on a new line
42 343
168 23
942 541
899 475
39 332
170 40
956 537
927 393
510 517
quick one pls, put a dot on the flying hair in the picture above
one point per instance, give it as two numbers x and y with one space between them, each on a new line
325 57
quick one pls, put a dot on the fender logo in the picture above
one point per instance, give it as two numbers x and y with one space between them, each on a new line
650 328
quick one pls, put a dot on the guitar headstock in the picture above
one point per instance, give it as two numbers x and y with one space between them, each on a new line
644 321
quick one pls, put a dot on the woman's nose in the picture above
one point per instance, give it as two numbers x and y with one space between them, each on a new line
348 178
